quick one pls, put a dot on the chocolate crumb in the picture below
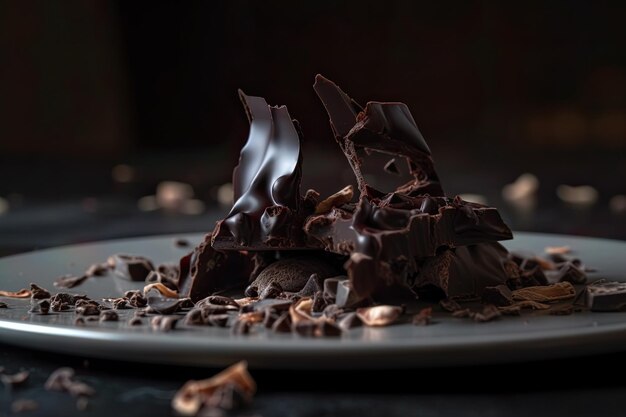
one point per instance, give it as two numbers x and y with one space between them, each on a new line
38 293
108 315
182 243
424 317
135 321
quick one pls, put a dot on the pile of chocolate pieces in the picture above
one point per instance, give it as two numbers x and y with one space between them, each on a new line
345 251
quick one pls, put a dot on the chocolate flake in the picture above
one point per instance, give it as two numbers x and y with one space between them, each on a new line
63 380
424 317
208 394
70 281
338 199
23 293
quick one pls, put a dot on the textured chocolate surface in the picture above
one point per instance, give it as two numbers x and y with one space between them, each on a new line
266 182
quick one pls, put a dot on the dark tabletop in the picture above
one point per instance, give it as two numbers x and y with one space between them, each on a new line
81 203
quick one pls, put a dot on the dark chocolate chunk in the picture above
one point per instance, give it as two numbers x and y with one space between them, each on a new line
571 273
500 296
66 298
424 317
206 270
63 380
88 308
108 315
136 299
58 306
70 281
606 296
131 267
14 380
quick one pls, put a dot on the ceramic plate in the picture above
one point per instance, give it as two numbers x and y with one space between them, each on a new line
447 342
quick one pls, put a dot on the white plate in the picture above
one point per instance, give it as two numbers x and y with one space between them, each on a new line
447 342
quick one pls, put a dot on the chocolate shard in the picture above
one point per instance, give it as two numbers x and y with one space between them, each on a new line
266 182
131 267
207 270
384 127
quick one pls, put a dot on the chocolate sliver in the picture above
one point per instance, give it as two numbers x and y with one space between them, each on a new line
131 267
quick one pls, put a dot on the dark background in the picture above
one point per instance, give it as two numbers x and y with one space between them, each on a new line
497 88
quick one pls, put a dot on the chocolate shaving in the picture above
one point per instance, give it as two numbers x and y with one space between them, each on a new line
195 396
162 289
63 380
14 380
379 316
546 294
338 199
23 293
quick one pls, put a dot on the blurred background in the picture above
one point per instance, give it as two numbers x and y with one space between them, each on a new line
121 118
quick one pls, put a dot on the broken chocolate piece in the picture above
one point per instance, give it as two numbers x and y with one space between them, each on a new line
570 272
338 199
131 267
606 296
499 296
3 305
38 293
40 306
206 270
